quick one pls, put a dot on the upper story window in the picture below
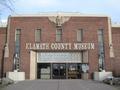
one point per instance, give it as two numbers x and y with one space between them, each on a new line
17 49
58 35
17 34
17 40
100 36
80 35
37 35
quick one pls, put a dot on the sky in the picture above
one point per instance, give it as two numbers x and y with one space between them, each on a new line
110 8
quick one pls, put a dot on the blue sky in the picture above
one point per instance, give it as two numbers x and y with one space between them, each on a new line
105 7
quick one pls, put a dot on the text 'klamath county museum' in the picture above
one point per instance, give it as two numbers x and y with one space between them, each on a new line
59 46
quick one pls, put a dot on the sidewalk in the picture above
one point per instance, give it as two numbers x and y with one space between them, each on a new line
60 85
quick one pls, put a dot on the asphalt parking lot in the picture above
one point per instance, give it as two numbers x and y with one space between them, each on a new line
59 85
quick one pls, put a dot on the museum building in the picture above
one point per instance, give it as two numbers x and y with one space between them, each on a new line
59 45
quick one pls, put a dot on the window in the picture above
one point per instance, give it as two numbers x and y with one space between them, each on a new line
61 57
17 50
101 49
38 35
43 70
80 35
59 35
17 41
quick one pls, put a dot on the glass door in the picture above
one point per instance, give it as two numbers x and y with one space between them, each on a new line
43 71
74 71
59 71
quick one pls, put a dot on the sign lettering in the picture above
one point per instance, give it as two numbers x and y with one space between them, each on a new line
60 46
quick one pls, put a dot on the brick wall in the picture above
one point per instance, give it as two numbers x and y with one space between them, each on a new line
90 25
2 42
116 46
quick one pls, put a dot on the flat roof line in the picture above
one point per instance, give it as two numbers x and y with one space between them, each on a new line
3 25
74 14
116 25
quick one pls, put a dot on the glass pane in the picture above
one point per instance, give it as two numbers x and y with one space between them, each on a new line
17 50
17 37
101 49
58 35
79 35
37 35
18 31
74 71
59 31
59 57
17 41
58 38
43 71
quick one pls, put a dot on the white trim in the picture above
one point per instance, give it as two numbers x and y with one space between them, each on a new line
67 14
116 25
33 65
110 38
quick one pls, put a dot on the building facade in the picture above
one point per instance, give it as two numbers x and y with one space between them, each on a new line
116 45
59 45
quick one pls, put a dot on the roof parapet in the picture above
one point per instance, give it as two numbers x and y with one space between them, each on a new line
66 14
116 25
3 24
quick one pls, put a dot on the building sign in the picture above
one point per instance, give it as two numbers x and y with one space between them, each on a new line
60 46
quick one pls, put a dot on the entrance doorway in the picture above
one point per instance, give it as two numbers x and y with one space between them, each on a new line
74 71
59 71
43 71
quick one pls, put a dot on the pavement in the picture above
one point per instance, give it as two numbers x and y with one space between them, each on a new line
59 85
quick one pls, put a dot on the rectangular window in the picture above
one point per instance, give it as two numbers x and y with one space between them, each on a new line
80 35
59 57
101 49
58 35
17 41
17 50
38 35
